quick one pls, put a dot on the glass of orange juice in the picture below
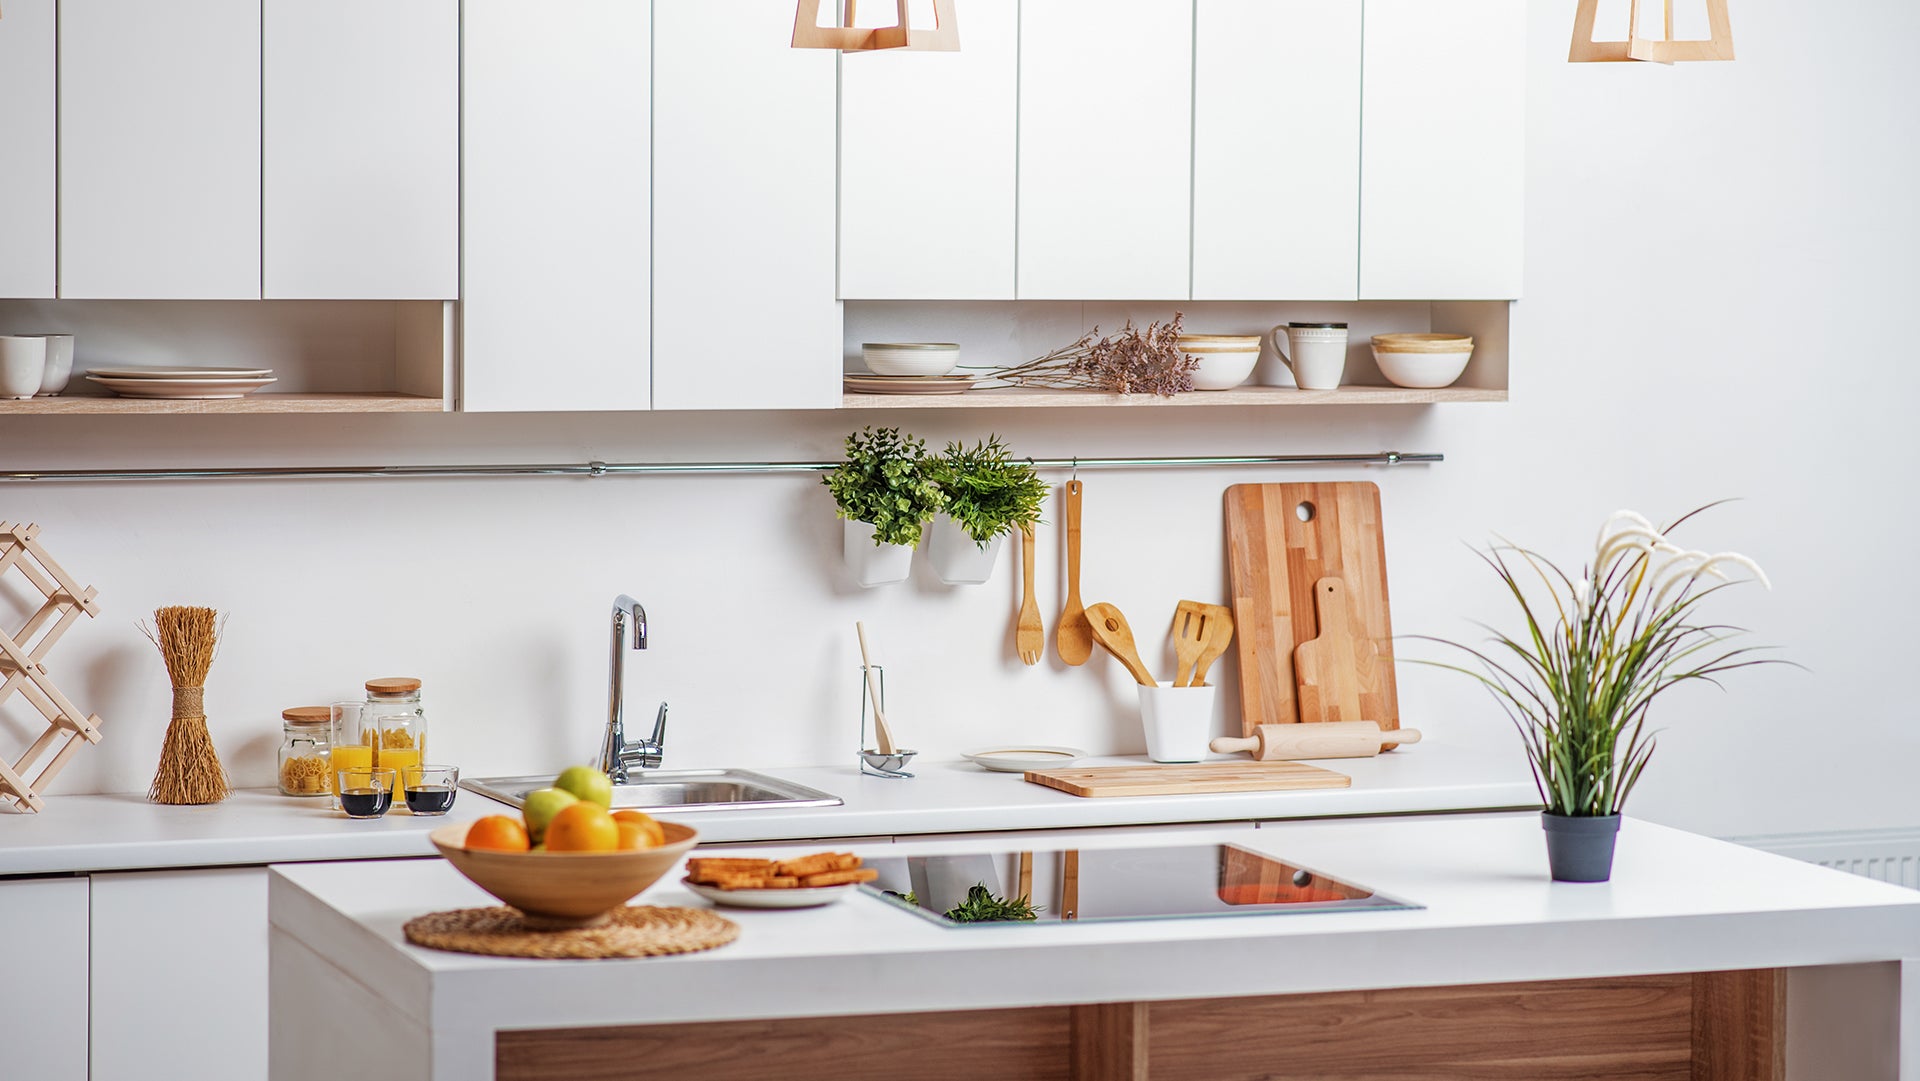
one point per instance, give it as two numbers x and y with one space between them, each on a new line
352 745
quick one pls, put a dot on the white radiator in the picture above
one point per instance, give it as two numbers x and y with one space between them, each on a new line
1887 855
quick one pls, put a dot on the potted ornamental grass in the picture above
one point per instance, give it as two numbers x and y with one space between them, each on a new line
885 491
988 495
1597 651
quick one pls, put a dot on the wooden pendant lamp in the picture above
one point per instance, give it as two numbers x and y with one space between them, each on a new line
1661 50
943 36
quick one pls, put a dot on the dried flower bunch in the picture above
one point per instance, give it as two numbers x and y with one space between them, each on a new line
1579 682
1133 361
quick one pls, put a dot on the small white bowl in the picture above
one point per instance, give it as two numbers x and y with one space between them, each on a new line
910 358
1221 361
1422 371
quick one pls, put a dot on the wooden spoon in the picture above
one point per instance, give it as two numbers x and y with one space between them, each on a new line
880 730
1111 631
1073 638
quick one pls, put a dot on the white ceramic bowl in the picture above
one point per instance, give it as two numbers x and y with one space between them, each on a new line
910 358
1422 361
1222 361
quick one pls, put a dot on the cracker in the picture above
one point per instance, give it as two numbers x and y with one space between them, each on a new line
840 878
819 863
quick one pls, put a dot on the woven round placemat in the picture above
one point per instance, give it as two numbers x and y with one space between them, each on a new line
633 931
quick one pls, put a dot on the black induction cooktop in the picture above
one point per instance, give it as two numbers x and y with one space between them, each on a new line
1062 885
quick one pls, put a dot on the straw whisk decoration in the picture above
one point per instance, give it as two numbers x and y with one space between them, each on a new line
190 770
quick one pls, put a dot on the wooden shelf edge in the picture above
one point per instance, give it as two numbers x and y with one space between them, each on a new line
1019 398
85 405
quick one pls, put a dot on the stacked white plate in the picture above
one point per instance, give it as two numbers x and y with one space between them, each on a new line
863 383
196 383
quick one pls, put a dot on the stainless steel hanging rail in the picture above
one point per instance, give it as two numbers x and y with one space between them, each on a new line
611 469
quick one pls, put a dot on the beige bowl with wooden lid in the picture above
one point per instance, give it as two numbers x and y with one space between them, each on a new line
1422 361
1221 361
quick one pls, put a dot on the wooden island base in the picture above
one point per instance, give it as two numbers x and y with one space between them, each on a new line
1710 1026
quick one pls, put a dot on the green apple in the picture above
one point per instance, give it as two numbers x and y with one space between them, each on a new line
587 783
542 804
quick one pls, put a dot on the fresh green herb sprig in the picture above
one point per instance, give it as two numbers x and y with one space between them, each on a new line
981 906
987 491
886 481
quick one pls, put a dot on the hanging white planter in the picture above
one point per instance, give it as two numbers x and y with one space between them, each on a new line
874 564
957 559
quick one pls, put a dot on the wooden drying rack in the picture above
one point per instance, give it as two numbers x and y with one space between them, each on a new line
21 659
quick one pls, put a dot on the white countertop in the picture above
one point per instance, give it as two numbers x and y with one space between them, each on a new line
1677 903
259 826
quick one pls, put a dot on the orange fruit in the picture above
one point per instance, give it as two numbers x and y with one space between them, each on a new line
497 833
638 829
582 827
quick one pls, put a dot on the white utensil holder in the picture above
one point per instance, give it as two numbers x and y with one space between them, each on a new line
1178 721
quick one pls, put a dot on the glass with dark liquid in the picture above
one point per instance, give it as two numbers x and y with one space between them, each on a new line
365 791
430 789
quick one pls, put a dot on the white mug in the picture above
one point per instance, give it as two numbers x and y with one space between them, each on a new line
59 363
1319 353
23 364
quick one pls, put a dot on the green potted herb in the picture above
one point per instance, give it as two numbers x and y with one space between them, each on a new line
886 493
1579 683
988 495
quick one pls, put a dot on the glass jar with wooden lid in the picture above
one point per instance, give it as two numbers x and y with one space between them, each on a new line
305 751
395 724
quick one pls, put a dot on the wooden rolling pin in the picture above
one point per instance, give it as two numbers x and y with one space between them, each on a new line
1333 739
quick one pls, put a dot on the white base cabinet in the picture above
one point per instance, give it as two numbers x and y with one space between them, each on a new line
177 975
43 978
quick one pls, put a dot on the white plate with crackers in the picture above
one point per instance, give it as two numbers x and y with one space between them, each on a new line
785 897
800 882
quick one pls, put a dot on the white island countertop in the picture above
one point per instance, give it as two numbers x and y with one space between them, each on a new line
1677 903
259 826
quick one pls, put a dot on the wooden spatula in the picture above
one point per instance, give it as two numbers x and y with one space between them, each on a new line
882 734
1332 668
1029 637
1219 637
1111 631
1193 632
1073 638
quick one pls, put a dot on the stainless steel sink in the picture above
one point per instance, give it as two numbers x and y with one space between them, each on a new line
676 790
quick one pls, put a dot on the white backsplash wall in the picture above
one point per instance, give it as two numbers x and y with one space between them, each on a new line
1711 249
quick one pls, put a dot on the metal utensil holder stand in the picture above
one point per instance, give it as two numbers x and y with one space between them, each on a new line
873 763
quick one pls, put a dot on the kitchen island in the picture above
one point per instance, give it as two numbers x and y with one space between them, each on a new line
1699 960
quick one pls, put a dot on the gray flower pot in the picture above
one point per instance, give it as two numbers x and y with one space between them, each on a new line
1580 848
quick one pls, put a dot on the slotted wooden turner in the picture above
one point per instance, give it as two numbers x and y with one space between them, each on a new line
1195 626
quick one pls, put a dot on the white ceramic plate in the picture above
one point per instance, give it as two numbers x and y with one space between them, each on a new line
181 388
1022 759
908 384
808 897
182 373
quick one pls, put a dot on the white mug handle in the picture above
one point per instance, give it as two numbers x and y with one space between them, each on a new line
1276 336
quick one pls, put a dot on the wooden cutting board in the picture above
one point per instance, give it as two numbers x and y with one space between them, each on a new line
1181 780
1276 552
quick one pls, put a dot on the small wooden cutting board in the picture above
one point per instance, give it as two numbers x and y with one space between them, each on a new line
1180 780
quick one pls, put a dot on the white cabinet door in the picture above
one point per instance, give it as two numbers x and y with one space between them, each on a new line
555 233
1276 150
27 116
745 314
43 991
160 149
1443 158
179 971
927 177
361 149
1106 121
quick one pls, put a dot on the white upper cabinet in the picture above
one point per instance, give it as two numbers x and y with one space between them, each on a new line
1106 123
27 114
1276 150
361 149
1443 154
555 234
160 149
745 313
927 173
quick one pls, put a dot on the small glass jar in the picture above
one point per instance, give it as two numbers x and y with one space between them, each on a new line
395 724
306 765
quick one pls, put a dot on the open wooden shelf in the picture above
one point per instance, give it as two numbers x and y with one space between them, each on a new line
253 403
1020 397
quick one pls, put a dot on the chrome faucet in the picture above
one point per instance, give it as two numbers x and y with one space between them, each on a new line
617 756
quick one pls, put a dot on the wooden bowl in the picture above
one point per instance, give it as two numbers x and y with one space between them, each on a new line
564 889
